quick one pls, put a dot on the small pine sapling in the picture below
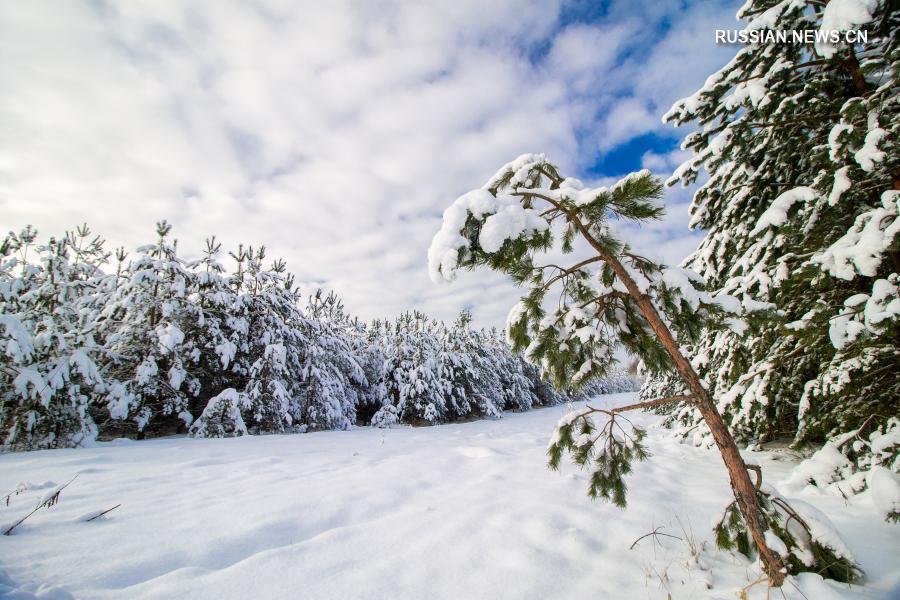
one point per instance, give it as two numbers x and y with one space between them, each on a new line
512 223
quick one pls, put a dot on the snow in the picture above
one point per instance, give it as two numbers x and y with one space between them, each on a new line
860 250
821 528
882 442
465 510
506 219
48 495
883 304
844 328
628 179
30 591
170 337
884 486
515 315
834 139
774 542
841 184
843 15
91 515
869 154
777 212
226 351
823 467
769 18
509 222
519 168
222 416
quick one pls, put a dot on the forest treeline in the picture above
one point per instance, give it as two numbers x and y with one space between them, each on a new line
100 345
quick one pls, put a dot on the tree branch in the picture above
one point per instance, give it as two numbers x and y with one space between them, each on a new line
652 403
654 533
570 270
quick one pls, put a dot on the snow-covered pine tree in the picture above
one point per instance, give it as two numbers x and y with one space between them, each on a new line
273 345
149 364
366 347
48 376
801 210
474 367
412 381
222 416
379 337
517 390
508 224
218 328
333 380
617 381
454 367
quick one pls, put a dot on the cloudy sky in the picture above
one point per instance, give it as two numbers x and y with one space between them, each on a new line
335 133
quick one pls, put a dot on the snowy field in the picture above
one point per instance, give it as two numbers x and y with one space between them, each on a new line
456 511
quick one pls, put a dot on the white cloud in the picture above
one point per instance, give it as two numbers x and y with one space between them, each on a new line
334 133
664 164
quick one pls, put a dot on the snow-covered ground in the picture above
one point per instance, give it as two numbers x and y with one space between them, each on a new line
456 511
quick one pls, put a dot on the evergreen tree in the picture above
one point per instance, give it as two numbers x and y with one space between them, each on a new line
366 347
801 210
334 381
411 377
48 373
518 381
218 327
149 361
508 224
222 416
274 344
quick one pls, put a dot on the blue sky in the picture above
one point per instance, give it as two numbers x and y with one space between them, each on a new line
336 132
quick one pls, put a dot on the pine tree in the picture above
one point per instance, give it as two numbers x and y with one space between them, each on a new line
627 300
149 362
165 345
470 369
273 347
48 374
801 210
366 347
333 377
518 381
222 416
412 381
217 328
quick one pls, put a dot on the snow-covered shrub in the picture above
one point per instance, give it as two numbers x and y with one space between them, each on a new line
803 536
855 462
473 368
222 416
271 347
517 379
616 382
884 486
433 372
386 416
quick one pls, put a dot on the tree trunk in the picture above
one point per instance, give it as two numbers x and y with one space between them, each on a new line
743 489
741 486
